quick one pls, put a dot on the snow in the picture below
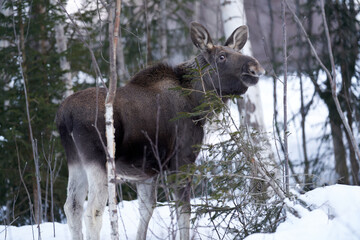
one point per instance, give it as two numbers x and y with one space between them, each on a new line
334 214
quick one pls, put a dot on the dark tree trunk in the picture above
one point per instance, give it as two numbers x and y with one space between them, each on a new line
336 134
36 201
308 183
353 162
346 92
339 152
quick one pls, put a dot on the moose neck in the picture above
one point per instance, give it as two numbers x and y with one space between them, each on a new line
195 76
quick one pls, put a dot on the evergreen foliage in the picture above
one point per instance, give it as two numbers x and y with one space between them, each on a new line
33 22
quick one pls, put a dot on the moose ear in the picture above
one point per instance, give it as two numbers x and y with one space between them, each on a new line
238 38
200 37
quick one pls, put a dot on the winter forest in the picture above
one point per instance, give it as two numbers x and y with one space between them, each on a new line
278 162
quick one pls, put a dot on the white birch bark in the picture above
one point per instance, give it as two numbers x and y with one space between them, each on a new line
110 166
61 46
250 107
233 15
163 28
109 119
123 73
61 42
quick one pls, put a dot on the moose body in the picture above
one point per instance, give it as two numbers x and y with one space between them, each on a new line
148 139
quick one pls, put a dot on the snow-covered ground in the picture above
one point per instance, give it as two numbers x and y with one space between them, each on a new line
334 215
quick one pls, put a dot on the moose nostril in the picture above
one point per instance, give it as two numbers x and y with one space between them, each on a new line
252 70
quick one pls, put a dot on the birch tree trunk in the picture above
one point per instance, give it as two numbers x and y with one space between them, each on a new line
61 47
250 107
120 61
61 42
109 119
148 35
163 28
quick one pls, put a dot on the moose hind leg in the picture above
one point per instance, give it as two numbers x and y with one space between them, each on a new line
183 210
76 194
97 198
146 192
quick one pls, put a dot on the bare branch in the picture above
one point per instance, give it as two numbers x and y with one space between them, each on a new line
331 78
286 152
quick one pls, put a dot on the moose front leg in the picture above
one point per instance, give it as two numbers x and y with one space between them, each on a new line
183 208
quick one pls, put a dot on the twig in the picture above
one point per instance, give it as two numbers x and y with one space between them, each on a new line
8 225
51 176
26 189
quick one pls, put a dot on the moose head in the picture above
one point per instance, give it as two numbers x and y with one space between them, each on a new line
230 72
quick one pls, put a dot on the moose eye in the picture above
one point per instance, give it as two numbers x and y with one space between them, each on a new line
222 57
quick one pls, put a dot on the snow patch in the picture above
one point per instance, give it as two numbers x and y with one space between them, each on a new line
334 215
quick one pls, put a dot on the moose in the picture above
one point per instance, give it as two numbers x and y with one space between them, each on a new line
148 139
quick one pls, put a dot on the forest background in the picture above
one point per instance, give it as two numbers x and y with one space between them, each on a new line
55 59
